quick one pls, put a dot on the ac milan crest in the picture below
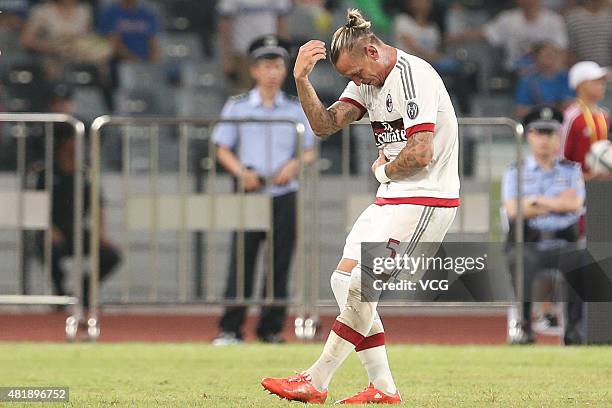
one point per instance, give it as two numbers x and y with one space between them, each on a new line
389 103
412 110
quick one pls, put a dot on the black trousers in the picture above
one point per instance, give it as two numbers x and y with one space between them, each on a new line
535 260
272 318
109 259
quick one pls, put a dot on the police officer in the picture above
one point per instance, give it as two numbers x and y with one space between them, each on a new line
553 197
264 157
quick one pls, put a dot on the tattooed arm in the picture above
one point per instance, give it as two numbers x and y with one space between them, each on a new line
416 155
323 122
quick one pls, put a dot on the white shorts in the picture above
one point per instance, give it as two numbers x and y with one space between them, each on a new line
407 223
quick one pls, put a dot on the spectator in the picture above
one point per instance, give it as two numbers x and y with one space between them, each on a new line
54 98
62 214
264 157
585 121
517 30
416 33
54 29
13 16
242 21
553 195
590 32
547 84
58 98
132 29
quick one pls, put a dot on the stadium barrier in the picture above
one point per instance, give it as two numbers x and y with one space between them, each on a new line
477 217
26 210
205 212
199 211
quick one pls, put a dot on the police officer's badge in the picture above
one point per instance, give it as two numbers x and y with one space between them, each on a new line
270 41
546 114
412 110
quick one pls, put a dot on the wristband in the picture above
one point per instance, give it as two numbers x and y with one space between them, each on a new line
381 175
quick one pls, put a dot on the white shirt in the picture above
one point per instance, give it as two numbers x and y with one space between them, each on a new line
45 17
252 19
413 99
427 37
511 30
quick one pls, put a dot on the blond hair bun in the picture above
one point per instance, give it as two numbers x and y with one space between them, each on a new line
356 20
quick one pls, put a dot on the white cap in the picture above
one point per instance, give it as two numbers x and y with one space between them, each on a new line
585 71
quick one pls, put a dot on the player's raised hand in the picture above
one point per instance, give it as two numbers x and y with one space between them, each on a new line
308 55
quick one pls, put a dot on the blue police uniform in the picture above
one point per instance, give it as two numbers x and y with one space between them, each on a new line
264 148
546 252
553 231
549 183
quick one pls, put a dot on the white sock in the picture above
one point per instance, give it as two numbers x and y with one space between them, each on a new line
374 359
334 353
355 319
375 362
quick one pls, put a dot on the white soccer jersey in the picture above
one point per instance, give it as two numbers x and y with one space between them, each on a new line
413 99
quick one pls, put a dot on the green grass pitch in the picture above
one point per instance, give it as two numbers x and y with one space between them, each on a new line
199 375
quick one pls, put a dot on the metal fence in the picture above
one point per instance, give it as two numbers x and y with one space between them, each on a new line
198 208
26 208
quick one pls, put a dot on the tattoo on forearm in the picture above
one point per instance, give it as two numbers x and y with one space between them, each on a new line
324 122
342 113
416 155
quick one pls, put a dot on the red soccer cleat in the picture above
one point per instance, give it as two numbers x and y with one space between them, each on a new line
295 388
371 395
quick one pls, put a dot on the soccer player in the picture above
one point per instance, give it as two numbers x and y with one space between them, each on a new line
415 130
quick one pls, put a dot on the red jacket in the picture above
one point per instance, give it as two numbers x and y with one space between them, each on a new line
577 135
